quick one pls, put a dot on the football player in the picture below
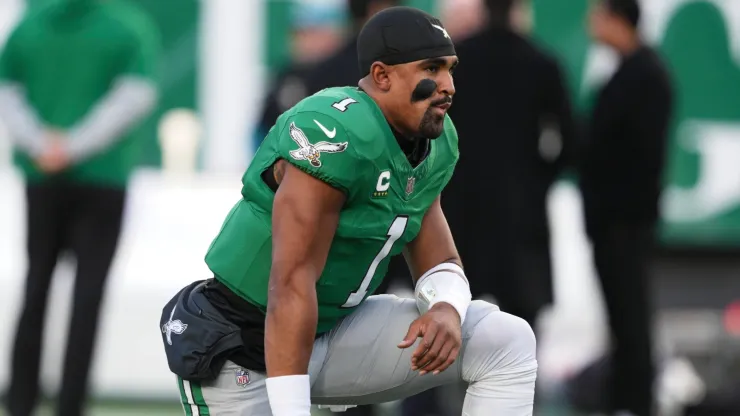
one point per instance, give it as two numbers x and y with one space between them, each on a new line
344 180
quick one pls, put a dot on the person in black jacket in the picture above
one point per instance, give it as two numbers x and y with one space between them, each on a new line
339 69
513 116
621 174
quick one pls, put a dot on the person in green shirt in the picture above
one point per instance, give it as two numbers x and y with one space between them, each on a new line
76 79
345 179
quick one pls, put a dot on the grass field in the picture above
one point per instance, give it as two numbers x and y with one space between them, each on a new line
149 409
174 409
115 408
125 409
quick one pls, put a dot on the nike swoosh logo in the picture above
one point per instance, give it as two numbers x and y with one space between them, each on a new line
329 133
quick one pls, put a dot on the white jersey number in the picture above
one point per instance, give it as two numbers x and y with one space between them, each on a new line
394 233
342 105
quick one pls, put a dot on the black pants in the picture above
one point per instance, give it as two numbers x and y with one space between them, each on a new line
518 276
86 221
622 260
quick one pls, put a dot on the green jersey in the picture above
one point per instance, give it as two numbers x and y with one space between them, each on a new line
340 136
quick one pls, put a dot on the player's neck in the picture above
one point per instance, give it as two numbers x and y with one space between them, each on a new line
627 44
496 21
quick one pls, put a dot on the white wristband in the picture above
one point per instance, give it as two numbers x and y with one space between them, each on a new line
447 283
289 395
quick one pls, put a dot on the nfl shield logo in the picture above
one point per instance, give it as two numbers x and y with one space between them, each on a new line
410 185
242 377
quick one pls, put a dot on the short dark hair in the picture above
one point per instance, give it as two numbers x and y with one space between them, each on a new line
629 10
499 10
359 9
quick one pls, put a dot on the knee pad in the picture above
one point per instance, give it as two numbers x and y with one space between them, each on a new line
499 345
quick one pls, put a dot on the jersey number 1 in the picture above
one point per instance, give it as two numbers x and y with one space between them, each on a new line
394 233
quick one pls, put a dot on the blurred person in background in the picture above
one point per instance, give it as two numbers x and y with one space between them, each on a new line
514 112
338 69
317 30
316 35
75 78
466 17
621 174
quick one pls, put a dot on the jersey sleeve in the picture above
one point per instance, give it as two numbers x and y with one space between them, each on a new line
320 146
10 58
142 48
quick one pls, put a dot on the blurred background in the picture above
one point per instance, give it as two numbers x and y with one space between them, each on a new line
218 62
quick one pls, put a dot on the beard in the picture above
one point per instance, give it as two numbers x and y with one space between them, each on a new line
431 125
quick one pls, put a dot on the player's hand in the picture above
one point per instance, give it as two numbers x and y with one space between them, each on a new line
441 336
54 158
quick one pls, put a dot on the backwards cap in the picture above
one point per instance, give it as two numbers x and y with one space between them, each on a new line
399 35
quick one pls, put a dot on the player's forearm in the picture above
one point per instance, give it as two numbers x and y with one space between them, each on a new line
418 268
290 328
433 245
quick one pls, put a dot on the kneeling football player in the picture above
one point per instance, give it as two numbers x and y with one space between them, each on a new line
344 180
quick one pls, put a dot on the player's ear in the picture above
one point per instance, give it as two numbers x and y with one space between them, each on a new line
380 73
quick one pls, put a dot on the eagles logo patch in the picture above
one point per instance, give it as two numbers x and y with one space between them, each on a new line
173 326
309 151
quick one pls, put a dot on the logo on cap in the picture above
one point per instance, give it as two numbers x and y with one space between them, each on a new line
444 31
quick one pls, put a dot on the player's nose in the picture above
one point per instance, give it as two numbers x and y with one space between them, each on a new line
446 85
